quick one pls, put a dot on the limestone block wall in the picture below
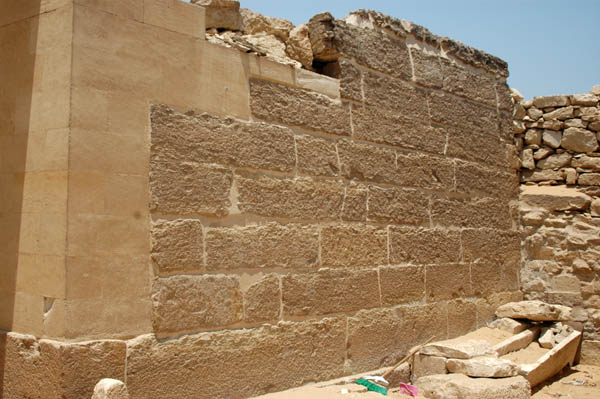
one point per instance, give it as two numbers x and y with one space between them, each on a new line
235 226
560 205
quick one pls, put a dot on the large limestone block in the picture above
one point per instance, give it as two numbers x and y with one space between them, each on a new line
108 388
459 386
394 95
45 369
254 23
550 101
298 46
555 198
397 287
366 162
423 246
260 246
534 310
478 180
584 99
398 205
353 245
236 363
475 213
474 344
446 109
177 245
483 367
202 137
509 325
297 107
222 14
423 365
589 179
560 114
316 156
330 291
579 140
555 161
184 303
262 300
586 162
302 197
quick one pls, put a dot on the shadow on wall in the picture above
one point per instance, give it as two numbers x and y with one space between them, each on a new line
18 41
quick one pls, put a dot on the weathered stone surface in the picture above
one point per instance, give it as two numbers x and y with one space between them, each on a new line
260 246
350 80
355 203
546 338
311 294
395 95
555 161
177 245
550 101
542 175
423 246
377 338
297 107
184 188
423 365
479 180
449 110
459 386
586 162
483 367
447 281
397 129
462 317
595 90
555 198
575 123
298 46
584 99
509 325
291 198
262 300
552 138
366 162
399 206
353 245
595 207
465 347
589 179
316 156
527 161
223 14
42 369
254 23
108 388
477 213
476 147
184 303
534 310
267 44
579 140
533 137
220 364
427 69
424 171
321 33
195 137
489 245
402 284
560 114
465 83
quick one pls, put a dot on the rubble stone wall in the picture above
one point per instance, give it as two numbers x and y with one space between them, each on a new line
560 205
237 226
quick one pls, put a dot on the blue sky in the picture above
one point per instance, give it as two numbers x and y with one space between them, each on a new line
551 46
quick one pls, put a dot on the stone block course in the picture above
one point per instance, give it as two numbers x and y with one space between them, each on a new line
452 111
177 245
301 198
262 300
186 188
353 245
478 213
424 171
427 68
310 294
463 82
290 106
395 95
424 246
398 206
402 284
271 245
449 281
191 136
193 303
366 162
316 156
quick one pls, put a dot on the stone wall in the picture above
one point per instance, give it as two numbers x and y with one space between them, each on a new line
560 205
237 226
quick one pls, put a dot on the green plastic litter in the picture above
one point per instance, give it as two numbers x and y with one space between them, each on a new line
372 386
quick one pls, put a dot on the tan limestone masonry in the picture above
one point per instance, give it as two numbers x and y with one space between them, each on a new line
200 221
557 137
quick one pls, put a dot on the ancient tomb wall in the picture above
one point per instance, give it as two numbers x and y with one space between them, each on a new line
560 205
236 226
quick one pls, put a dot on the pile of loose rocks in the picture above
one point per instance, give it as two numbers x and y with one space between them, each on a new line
558 138
530 342
229 25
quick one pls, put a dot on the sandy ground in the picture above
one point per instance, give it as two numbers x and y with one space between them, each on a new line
580 382
530 354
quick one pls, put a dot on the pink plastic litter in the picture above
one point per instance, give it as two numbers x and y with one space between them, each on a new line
408 389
